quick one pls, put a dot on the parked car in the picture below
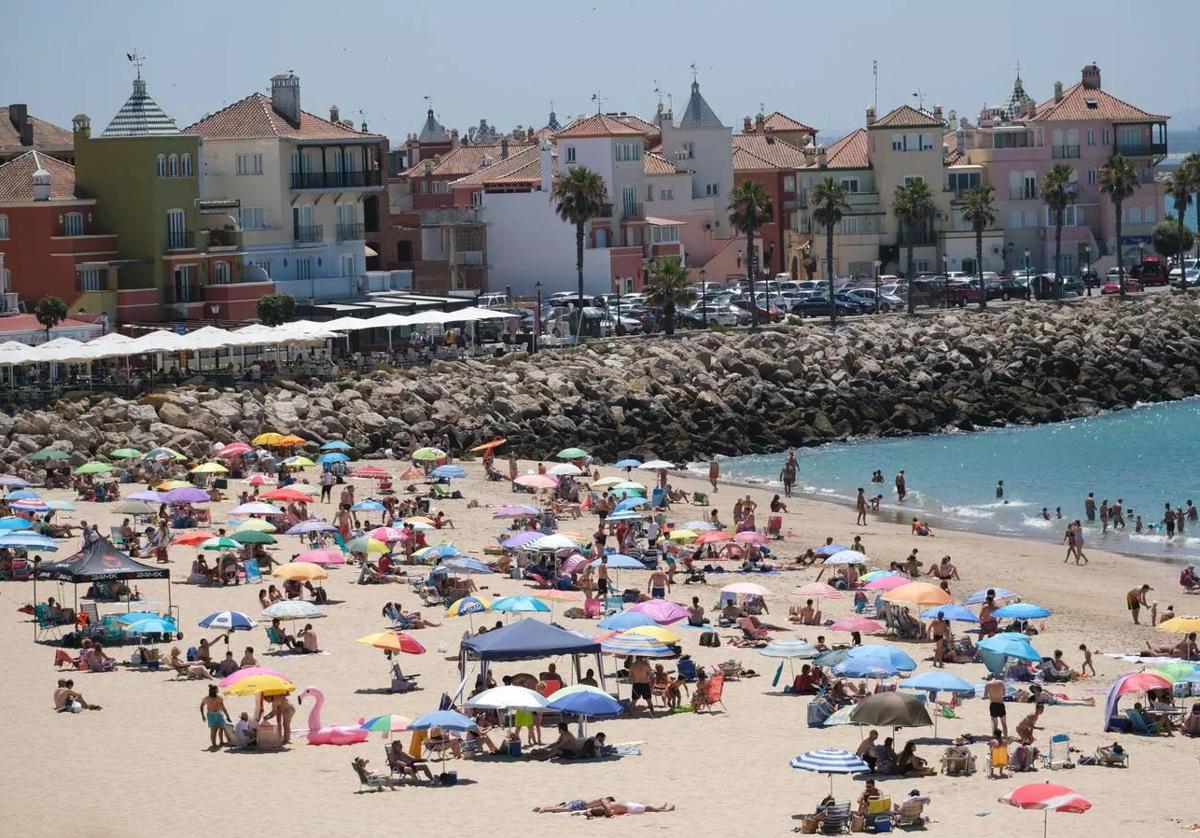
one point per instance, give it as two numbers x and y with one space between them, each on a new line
1090 278
1191 278
1073 286
928 291
1189 265
765 315
820 306
1150 271
492 300
716 315
1011 288
1132 286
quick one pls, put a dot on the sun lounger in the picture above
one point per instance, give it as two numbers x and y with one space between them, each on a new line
1105 756
836 820
957 766
368 782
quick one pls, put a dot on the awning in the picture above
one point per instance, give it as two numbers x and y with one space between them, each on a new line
368 251
655 221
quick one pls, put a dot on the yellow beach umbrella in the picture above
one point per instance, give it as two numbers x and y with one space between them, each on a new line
607 482
918 593
255 525
298 462
304 571
683 535
1181 625
168 485
210 468
662 635
264 684
269 438
291 441
394 641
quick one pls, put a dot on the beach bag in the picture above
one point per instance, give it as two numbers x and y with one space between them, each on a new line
710 638
818 712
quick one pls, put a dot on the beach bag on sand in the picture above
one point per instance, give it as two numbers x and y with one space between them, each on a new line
710 638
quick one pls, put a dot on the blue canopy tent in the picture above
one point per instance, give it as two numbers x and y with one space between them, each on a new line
526 640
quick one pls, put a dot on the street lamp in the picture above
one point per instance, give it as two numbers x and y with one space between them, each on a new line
1028 284
537 314
878 265
946 280
1087 271
704 297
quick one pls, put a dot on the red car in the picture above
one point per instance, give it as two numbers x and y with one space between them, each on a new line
1131 286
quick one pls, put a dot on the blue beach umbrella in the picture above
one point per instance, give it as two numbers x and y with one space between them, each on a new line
445 719
229 620
830 549
866 668
789 649
618 561
625 620
1011 645
22 494
829 761
464 564
12 481
60 505
335 445
630 503
368 505
583 700
625 515
883 654
13 522
950 612
152 625
519 604
938 682
136 616
980 596
333 457
437 552
627 463
831 658
448 472
27 541
1021 611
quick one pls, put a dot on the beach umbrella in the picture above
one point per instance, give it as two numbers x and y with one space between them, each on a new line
256 508
712 537
797 648
1011 645
751 537
519 604
517 511
321 557
827 550
1021 611
656 465
229 620
288 495
335 445
521 540
571 454
1140 682
465 564
574 563
191 538
847 557
268 438
93 468
255 525
829 761
855 623
537 481
370 473
235 449
27 541
262 480
840 717
625 644
625 515
22 494
301 571
428 454
449 472
152 625
28 505
880 652
394 641
1180 625
1175 672
655 632
495 443
168 485
683 535
564 470
220 542
363 544
12 481
291 441
292 609
507 698
607 483
662 611
125 454
147 496
386 534
436 552
60 505
47 454
886 583
950 611
164 453
745 589
445 719
12 522
333 457
624 620
938 681
871 576
583 700
368 505
386 724
818 590
697 525
253 537
260 685
190 494
469 605
1049 797
630 504
830 659
980 596
420 522
249 672
918 593
135 507
210 468
891 709
310 526
298 461
631 486
617 561
628 462
553 543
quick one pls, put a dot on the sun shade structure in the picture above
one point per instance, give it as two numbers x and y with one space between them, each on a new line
100 562
526 640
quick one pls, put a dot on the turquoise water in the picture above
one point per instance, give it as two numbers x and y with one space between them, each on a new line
1145 455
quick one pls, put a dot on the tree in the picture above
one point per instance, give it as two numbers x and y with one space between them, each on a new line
914 208
276 309
979 210
749 209
829 205
1191 168
1171 239
50 311
1179 188
579 196
667 287
1119 180
1058 193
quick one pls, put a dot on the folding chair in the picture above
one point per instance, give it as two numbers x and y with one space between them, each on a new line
251 570
1058 755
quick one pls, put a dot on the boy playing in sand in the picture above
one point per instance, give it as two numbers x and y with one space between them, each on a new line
1087 661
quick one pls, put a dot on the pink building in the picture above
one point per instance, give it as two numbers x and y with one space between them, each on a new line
1081 126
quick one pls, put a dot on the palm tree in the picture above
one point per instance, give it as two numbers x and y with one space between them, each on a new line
1191 167
579 197
829 205
1058 193
913 207
1179 187
1119 180
979 210
666 287
749 209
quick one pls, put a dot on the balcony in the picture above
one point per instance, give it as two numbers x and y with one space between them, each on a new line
349 232
336 180
181 240
633 211
1140 149
469 258
918 238
800 202
1064 152
308 235
1027 194
220 238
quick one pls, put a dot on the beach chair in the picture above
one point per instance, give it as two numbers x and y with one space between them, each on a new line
836 820
613 603
957 766
46 627
775 526
1140 725
275 640
686 668
367 782
114 535
998 760
90 613
1058 755
252 572
711 695
658 498
910 815
1105 756
879 808
700 498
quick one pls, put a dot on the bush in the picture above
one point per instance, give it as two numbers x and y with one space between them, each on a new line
276 309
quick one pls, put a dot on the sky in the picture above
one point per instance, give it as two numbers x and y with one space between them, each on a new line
506 62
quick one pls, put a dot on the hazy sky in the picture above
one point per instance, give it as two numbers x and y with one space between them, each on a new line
507 61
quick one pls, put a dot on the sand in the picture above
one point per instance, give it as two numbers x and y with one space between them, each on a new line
141 766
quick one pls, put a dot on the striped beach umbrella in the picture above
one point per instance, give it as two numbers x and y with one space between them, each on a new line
829 761
228 620
469 605
623 645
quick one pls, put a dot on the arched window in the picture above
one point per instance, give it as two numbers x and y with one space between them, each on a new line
220 273
173 166
162 165
185 165
3 226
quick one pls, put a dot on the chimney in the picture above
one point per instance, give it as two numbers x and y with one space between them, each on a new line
747 125
285 96
760 122
821 159
529 134
1058 91
810 154
1091 77
82 125
504 148
937 113
454 140
870 116
18 115
41 181
335 115
547 166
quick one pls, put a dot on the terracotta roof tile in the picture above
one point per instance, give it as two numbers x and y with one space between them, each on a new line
850 152
16 177
599 125
465 160
906 116
653 163
47 137
760 151
523 168
255 117
778 121
636 122
1076 105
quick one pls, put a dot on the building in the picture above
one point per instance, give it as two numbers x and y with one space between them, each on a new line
21 133
782 127
50 240
304 193
764 158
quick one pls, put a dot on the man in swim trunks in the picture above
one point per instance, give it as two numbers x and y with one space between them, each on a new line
611 809
602 579
571 806
640 676
215 714
658 584
993 691
1136 600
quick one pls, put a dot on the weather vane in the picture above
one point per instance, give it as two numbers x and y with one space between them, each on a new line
695 72
137 61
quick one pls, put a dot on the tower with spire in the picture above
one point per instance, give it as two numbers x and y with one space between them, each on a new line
1019 99
699 143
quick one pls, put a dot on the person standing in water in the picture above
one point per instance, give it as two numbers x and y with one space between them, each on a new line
1169 520
1089 507
901 489
788 475
999 490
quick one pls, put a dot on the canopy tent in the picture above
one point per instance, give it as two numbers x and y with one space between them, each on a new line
100 562
528 639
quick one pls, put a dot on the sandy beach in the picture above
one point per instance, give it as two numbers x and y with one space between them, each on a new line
141 766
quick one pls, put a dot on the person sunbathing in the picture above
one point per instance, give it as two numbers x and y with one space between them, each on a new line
571 806
609 808
96 660
66 700
911 765
1190 726
565 745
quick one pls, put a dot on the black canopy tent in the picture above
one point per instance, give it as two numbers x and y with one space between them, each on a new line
529 639
99 562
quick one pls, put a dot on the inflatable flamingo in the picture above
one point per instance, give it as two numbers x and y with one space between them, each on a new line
333 735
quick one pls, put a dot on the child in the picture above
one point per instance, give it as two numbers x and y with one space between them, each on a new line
1087 661
674 694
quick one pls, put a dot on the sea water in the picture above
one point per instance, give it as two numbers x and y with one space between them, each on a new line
1146 455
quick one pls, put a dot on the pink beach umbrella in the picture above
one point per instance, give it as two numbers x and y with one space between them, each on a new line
818 590
662 611
249 672
1049 797
388 535
537 481
322 557
712 537
262 480
886 583
863 624
235 449
751 537
574 562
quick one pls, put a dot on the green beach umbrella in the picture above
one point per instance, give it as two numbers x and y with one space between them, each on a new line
48 454
252 537
93 468
571 454
220 542
1174 671
125 454
428 454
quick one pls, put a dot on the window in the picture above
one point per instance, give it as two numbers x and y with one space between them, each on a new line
1015 220
424 187
1091 177
667 194
922 265
711 189
689 150
962 181
185 165
629 151
251 164
850 184
789 184
404 251
926 142
853 225
1091 137
897 142
73 224
253 218
666 235
1107 137
185 276
477 199
441 187
909 180
1029 187
91 279
1149 216
162 165
1072 216
1073 137
3 226
304 268
570 154
1133 215
220 273
348 265
649 192
173 166
176 229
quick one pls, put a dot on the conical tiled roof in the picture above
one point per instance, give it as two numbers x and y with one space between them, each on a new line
698 114
433 131
140 116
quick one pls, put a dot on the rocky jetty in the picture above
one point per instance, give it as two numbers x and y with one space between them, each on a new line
714 393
